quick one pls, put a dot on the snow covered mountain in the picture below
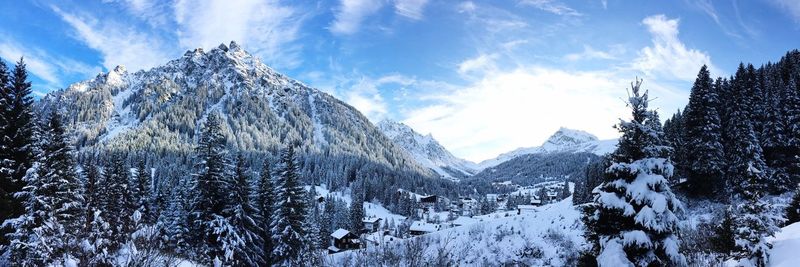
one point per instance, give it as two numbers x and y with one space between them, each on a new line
563 140
162 109
427 151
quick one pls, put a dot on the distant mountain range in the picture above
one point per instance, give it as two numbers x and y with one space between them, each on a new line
563 153
562 141
427 151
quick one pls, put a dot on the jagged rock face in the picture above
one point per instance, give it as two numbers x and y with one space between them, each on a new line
162 109
427 151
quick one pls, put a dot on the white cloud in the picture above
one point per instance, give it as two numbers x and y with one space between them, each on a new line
366 98
410 8
466 7
154 12
668 57
552 6
118 44
590 53
43 65
482 63
791 7
265 28
506 110
351 13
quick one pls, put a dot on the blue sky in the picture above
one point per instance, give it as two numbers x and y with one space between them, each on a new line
483 77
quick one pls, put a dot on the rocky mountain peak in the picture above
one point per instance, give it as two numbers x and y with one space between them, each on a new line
569 137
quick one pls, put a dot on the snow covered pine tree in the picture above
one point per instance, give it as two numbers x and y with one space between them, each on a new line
288 218
48 231
213 230
754 223
633 217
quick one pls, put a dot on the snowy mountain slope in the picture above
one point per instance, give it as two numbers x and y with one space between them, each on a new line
551 236
563 140
427 151
162 109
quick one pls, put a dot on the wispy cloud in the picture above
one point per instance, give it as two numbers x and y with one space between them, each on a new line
43 65
590 53
482 63
709 9
154 12
790 7
412 9
552 6
668 57
265 28
117 43
351 13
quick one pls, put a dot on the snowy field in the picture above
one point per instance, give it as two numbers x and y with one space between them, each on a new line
551 236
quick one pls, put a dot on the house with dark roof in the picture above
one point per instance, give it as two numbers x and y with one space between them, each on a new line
343 240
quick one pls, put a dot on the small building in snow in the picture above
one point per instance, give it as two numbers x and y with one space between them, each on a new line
492 197
536 202
421 228
371 224
428 201
343 240
552 195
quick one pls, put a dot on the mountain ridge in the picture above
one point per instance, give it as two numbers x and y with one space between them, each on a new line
563 140
163 108
427 151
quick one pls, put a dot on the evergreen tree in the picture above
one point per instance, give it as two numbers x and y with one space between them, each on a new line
357 209
48 231
633 217
723 240
754 223
703 134
142 194
16 141
542 195
264 202
675 134
565 193
314 217
287 224
242 216
212 182
93 192
742 146
175 222
96 244
592 177
791 111
326 223
118 206
793 209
